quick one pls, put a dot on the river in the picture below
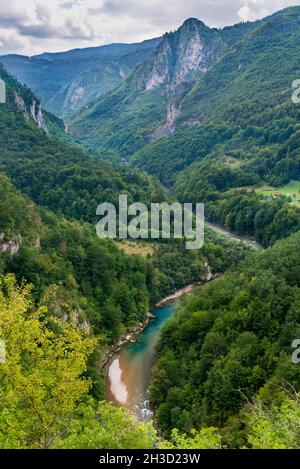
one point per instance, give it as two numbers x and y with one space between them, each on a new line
129 372
219 229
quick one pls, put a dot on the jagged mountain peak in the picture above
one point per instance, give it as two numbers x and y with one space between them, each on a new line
180 56
192 23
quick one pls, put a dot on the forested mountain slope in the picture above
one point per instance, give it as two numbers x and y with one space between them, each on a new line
230 342
230 66
69 265
242 102
56 173
238 128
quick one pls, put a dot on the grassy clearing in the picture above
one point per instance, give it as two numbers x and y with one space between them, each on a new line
292 190
266 190
136 247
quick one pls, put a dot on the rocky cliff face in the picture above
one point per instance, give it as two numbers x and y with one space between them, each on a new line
37 115
35 112
180 57
11 246
175 65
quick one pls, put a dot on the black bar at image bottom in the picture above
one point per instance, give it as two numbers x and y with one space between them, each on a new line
137 458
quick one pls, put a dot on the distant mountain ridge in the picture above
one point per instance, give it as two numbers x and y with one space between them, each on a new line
66 81
201 97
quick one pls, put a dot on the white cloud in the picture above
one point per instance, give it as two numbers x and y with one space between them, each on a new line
34 26
10 43
255 9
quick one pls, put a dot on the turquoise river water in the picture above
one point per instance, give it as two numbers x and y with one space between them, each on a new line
129 373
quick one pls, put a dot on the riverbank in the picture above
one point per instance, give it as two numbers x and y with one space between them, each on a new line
186 290
235 237
129 363
177 295
128 373
131 336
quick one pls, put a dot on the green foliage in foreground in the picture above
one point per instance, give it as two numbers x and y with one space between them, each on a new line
104 426
44 396
44 393
229 342
206 438
277 427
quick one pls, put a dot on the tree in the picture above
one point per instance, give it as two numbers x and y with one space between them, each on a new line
206 438
41 380
106 427
277 427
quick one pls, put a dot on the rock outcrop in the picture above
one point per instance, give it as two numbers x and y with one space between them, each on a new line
12 246
35 112
176 63
37 115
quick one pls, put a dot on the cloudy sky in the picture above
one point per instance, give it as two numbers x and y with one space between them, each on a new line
34 26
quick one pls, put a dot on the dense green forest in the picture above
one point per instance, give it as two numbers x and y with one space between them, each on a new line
113 291
268 154
45 401
57 251
229 342
265 147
